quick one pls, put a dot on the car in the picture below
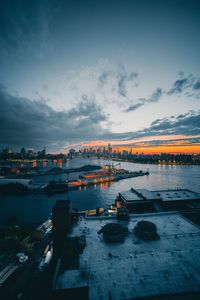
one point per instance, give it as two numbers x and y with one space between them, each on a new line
22 258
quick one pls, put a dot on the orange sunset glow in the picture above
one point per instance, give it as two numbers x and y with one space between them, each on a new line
165 144
187 149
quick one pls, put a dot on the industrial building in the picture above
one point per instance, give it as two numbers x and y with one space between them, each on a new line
165 268
143 200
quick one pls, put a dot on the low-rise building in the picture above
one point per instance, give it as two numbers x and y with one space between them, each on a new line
134 268
143 200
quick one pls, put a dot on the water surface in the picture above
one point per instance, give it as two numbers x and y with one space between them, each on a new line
37 208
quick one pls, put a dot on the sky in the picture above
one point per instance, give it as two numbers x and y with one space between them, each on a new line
85 73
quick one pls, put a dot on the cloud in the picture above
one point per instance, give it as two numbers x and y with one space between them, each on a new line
149 141
35 124
123 78
155 97
103 77
196 86
118 79
188 124
178 86
170 141
187 85
134 106
111 84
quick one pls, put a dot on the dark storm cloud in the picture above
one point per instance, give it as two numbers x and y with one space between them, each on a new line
34 123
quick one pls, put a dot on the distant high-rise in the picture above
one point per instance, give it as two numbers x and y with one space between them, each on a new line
72 153
23 152
44 151
6 151
109 149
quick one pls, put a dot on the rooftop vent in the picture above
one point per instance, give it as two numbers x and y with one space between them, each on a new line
113 233
146 230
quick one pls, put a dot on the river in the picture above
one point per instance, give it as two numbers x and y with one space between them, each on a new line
37 208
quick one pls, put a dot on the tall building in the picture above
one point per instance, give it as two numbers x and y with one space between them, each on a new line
72 153
42 154
23 152
109 149
44 151
6 152
61 221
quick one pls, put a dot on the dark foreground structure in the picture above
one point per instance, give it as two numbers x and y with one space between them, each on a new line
113 257
163 266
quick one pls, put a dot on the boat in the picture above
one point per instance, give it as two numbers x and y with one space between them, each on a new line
103 176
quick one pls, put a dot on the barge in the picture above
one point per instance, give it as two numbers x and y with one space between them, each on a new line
92 178
103 176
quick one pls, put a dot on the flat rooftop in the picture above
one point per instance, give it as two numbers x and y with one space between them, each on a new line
176 195
137 268
138 195
146 194
130 196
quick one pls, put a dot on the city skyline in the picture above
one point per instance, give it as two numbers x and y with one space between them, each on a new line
86 73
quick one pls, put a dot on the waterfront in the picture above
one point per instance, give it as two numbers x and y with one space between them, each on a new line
37 208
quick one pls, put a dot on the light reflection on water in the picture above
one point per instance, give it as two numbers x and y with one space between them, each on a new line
37 208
